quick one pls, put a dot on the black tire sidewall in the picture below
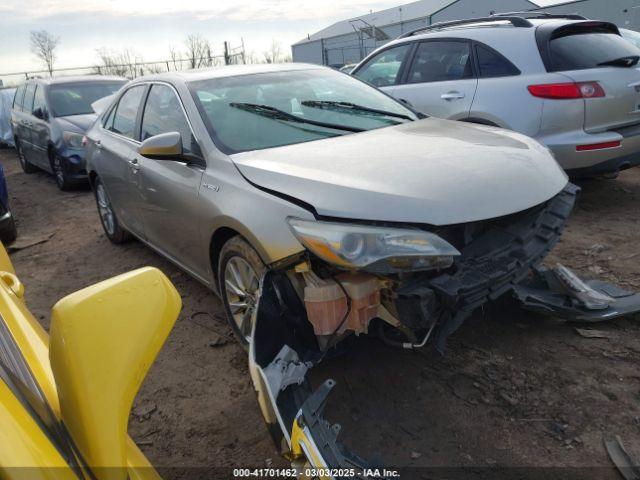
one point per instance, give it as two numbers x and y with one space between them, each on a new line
237 247
22 159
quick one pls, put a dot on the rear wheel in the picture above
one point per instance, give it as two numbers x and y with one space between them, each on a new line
24 163
108 219
239 272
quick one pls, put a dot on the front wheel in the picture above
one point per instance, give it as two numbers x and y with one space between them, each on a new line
239 271
108 219
59 171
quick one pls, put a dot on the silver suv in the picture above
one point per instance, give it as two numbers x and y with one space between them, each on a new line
572 84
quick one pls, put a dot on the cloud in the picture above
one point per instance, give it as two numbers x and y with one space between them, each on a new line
243 10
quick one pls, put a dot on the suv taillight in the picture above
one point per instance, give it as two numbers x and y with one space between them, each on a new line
564 91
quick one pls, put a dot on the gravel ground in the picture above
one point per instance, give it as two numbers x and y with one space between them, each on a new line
515 395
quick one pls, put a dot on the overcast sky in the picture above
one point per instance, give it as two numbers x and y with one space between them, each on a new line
151 27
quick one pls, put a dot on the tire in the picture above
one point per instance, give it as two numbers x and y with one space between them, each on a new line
24 163
240 270
108 219
58 169
9 232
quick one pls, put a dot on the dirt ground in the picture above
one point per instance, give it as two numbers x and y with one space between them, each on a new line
516 396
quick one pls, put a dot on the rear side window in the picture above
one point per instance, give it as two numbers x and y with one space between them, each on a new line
492 64
163 114
382 70
27 104
441 62
17 100
124 120
580 51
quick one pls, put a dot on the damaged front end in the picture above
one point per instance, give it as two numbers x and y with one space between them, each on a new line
309 304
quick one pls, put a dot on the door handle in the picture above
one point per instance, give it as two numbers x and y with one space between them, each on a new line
135 166
452 95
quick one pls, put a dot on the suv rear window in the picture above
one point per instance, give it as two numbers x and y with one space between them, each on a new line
580 51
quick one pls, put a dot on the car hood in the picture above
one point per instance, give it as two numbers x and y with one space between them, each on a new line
79 123
431 171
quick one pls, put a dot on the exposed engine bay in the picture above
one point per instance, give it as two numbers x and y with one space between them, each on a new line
308 306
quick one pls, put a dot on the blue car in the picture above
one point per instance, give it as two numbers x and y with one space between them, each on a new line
8 232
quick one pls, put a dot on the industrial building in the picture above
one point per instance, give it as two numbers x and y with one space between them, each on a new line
351 40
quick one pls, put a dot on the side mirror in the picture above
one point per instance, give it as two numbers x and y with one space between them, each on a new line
103 340
166 146
39 113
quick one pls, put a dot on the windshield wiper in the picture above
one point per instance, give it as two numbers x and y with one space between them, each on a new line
628 61
348 106
276 113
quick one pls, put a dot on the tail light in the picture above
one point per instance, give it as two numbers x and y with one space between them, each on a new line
565 91
598 146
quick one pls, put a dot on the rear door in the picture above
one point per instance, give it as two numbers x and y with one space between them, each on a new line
169 188
117 150
594 52
40 127
16 113
385 68
440 80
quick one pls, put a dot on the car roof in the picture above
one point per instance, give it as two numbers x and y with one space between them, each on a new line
228 71
78 79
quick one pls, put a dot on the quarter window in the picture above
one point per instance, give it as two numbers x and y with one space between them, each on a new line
163 113
441 62
492 64
124 120
27 105
382 70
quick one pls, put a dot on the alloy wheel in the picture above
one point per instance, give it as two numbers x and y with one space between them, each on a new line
104 208
241 287
57 169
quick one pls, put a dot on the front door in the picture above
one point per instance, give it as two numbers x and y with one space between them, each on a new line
118 152
40 128
169 188
440 80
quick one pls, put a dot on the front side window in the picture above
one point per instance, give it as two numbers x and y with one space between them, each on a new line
441 62
163 113
126 112
265 110
383 69
588 49
492 64
27 104
17 100
76 99
38 100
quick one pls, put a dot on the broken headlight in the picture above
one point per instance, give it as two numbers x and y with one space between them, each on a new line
374 249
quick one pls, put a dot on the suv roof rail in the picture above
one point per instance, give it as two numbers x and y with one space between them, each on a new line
541 14
516 21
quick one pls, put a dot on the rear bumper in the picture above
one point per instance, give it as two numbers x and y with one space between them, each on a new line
593 162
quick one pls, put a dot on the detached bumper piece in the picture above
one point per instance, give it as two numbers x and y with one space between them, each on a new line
558 292
282 350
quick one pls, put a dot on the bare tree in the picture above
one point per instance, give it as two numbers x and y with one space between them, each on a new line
125 63
274 54
198 51
176 58
43 46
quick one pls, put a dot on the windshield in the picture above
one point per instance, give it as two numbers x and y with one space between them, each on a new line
266 110
76 98
588 50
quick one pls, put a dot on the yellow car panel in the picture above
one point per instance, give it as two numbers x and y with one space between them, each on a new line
103 339
23 443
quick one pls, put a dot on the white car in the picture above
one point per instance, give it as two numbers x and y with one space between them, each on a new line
570 83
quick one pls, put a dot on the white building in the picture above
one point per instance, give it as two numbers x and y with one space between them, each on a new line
349 41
